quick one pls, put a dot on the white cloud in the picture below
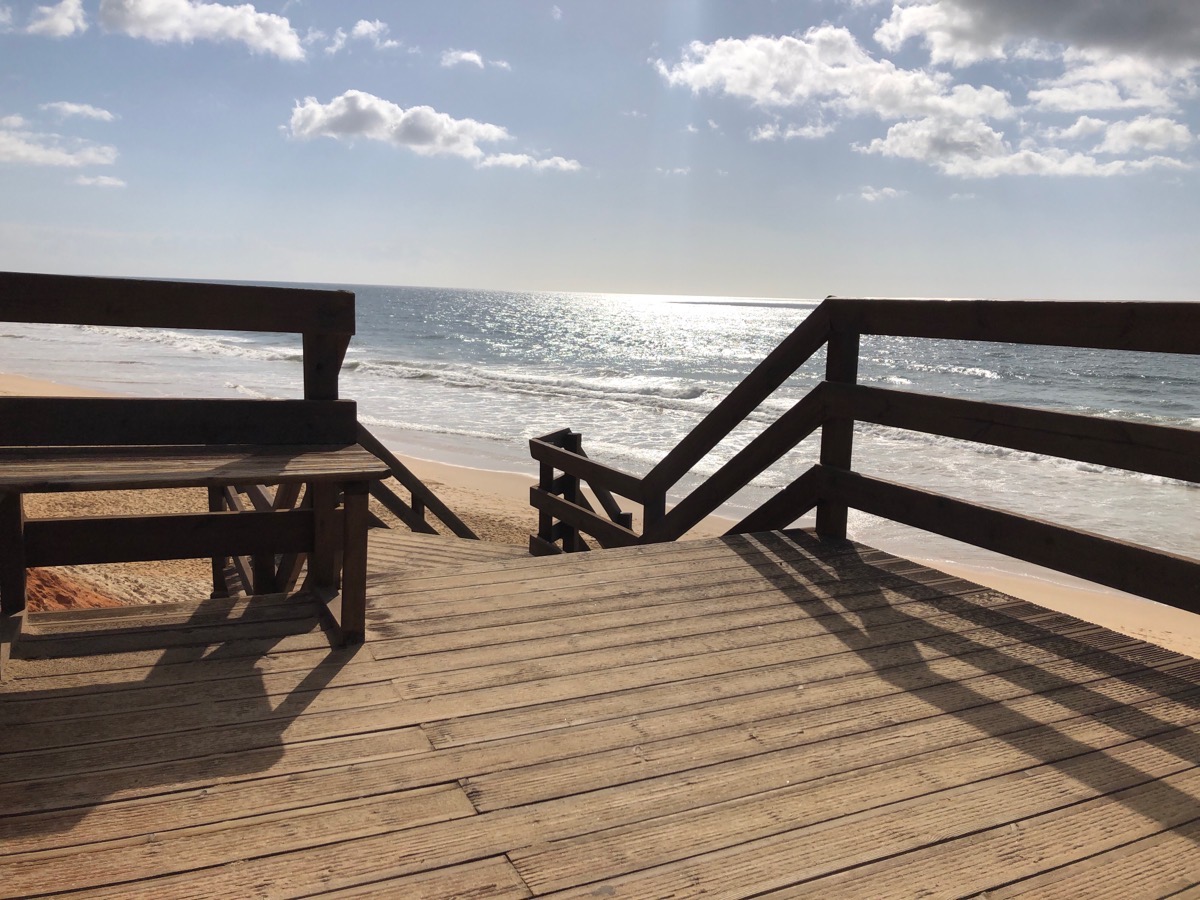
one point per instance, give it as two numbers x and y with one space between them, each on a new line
23 147
691 129
452 58
945 30
1083 127
64 110
525 161
555 13
6 19
461 57
62 19
872 194
1094 80
827 68
337 42
189 20
1145 135
421 129
974 150
375 32
679 170
961 197
772 131
100 181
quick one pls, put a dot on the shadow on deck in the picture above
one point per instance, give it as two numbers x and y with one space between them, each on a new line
763 715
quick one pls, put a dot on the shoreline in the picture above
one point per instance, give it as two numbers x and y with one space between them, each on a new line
496 505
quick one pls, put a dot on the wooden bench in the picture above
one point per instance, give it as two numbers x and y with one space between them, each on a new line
99 444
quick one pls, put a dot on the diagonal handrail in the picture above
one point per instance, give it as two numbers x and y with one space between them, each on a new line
778 366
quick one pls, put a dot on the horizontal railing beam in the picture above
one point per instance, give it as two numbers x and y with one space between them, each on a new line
589 470
608 533
119 421
138 303
1133 568
88 540
1134 446
1157 327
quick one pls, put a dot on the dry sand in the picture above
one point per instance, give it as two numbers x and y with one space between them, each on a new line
496 506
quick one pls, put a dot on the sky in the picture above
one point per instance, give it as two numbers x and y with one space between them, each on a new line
990 148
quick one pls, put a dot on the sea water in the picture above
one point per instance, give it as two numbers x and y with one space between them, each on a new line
468 376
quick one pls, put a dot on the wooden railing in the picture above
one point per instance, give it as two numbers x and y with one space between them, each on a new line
831 487
324 319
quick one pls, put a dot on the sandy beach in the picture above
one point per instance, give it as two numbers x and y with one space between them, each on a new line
496 506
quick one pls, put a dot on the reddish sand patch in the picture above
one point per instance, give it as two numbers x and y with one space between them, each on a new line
46 590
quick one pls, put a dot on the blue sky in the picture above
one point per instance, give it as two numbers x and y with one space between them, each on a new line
1008 148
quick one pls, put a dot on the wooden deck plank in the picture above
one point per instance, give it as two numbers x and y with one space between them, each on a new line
817 637
834 823
48 793
750 715
731 683
202 742
421 769
524 584
487 879
1035 844
117 863
1159 866
853 742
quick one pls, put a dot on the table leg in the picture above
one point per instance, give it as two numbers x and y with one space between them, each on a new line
12 553
323 561
354 563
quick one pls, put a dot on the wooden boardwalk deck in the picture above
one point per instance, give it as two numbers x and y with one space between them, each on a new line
754 716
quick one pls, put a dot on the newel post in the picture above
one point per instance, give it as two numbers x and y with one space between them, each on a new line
837 434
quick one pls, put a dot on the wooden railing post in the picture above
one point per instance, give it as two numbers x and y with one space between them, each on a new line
837 434
12 553
572 492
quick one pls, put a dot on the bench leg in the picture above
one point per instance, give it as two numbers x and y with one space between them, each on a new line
354 563
12 553
324 560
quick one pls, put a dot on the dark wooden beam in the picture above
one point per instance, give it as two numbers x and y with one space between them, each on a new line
1157 327
1165 577
98 539
608 533
594 473
99 421
837 434
138 303
13 556
1134 446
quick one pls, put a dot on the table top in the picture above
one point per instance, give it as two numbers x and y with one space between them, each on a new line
64 469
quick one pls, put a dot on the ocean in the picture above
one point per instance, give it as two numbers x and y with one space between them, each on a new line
468 376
